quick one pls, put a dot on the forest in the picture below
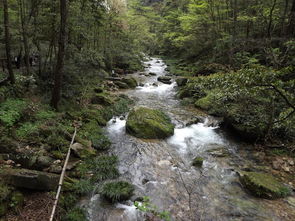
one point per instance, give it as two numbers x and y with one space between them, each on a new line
131 110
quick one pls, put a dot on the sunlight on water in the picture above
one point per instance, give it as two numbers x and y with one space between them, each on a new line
116 125
162 88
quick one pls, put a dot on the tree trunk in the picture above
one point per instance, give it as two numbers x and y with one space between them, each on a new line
25 36
270 18
56 94
7 42
291 25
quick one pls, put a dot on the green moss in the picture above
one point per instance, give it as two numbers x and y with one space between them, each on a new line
131 82
117 191
146 123
26 130
198 162
263 185
4 192
102 99
17 200
205 103
100 142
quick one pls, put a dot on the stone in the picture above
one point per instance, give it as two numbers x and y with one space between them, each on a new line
152 74
181 82
148 123
81 151
44 161
121 85
102 99
165 79
30 179
263 185
55 169
131 82
155 84
198 162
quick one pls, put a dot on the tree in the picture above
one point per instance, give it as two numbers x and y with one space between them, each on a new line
56 94
7 42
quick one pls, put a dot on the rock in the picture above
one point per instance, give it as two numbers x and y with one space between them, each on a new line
147 123
30 179
114 78
55 169
155 84
263 185
219 152
181 82
121 85
141 84
165 79
152 74
82 152
44 161
198 162
131 82
73 164
102 99
193 121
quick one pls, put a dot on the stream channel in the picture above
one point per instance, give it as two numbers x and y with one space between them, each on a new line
162 170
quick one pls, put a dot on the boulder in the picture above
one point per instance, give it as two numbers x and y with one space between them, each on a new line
44 161
152 74
82 152
147 123
131 82
30 179
263 185
102 99
121 85
181 82
165 79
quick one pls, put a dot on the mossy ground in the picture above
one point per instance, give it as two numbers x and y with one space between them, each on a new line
263 185
146 123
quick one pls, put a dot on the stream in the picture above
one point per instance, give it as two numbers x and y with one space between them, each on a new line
162 170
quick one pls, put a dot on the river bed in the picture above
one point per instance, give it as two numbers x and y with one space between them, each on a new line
162 170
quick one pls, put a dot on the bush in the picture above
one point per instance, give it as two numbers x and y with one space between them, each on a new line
75 214
117 191
11 111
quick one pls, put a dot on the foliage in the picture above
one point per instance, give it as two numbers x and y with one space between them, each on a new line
75 214
147 207
117 191
11 111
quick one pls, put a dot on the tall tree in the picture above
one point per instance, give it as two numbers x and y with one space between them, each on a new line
56 94
7 42
291 28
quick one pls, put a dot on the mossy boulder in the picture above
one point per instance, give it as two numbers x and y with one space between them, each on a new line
131 82
263 185
117 191
165 79
30 179
102 99
82 151
198 162
147 123
121 85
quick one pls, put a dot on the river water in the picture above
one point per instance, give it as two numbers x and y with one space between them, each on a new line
162 170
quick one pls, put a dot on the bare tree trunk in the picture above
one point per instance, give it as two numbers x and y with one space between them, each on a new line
25 36
270 18
291 25
282 31
7 42
56 94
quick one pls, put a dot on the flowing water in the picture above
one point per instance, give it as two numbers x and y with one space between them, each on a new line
162 170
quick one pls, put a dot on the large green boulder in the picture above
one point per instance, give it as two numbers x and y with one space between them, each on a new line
130 81
263 185
147 123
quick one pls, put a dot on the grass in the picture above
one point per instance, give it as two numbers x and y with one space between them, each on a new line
117 191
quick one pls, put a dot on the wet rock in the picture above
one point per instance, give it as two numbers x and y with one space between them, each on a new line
263 185
158 62
145 181
155 84
82 152
141 84
152 74
55 169
198 162
30 179
181 82
193 121
147 123
219 152
165 79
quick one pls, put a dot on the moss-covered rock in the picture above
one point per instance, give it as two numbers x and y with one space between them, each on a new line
147 123
198 162
131 82
263 185
102 99
165 79
30 179
121 85
181 82
117 191
83 152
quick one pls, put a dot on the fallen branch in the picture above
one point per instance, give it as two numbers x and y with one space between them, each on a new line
62 176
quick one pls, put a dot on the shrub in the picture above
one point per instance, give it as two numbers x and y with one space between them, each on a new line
117 191
11 111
